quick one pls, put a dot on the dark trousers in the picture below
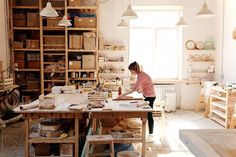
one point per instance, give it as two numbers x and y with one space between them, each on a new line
150 118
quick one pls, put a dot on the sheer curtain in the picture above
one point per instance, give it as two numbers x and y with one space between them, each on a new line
155 42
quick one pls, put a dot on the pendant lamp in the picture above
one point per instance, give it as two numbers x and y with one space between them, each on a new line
64 22
49 11
129 13
181 23
123 24
204 11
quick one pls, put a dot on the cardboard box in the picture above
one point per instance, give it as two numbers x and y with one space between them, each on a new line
88 62
32 44
74 3
74 65
33 19
85 22
53 22
76 41
19 20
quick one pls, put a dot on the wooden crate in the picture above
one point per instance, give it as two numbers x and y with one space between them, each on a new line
74 65
85 22
33 64
33 19
76 41
53 22
19 20
6 82
18 45
54 39
32 44
74 3
88 61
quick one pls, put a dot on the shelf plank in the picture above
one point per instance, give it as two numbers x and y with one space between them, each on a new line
81 70
218 97
81 29
53 28
71 50
201 61
49 50
52 140
26 49
219 113
25 7
54 54
28 70
54 63
54 80
26 28
83 7
111 62
112 51
57 71
220 104
218 120
82 79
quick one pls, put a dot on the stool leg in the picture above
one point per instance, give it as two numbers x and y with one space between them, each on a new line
87 149
112 149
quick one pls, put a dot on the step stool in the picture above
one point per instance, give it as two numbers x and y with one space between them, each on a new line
99 139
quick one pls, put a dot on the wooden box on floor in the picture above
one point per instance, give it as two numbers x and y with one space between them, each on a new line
19 20
76 41
32 19
74 3
88 61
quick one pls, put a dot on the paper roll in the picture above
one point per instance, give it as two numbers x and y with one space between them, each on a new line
28 106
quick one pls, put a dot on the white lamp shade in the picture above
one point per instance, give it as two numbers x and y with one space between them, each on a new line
181 23
123 24
129 13
49 11
64 22
205 12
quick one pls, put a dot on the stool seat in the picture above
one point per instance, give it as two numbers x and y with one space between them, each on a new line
99 139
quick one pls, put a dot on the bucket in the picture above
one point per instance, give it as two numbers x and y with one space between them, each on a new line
128 154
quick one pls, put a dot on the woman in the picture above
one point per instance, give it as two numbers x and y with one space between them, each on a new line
145 85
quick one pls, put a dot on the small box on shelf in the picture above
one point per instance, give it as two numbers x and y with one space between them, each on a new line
88 62
53 22
85 22
75 41
19 19
74 65
18 45
32 44
33 19
74 3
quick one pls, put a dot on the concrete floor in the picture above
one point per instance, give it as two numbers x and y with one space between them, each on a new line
169 146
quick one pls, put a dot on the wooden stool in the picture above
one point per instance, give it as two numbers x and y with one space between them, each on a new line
99 139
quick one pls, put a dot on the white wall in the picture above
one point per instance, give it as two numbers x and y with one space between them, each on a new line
198 30
3 55
229 45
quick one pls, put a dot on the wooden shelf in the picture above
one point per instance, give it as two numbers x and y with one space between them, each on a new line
83 8
220 104
54 63
49 50
219 113
201 61
56 71
28 70
25 7
53 45
112 51
111 62
71 50
218 97
26 28
218 120
81 70
26 49
53 28
81 29
82 79
201 50
52 140
54 54
30 90
54 80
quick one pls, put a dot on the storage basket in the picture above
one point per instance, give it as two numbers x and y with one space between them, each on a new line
85 22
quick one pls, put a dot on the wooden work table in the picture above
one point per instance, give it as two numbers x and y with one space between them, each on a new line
210 142
122 109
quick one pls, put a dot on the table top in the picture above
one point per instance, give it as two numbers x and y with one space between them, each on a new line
63 101
210 142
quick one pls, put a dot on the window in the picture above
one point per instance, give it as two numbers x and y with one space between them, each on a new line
155 42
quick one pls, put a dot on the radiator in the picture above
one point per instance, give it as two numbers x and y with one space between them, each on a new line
167 93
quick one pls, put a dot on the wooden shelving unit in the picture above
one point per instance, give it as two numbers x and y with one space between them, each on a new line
50 53
221 105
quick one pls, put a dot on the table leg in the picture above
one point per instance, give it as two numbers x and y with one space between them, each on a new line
144 120
94 126
26 137
76 136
